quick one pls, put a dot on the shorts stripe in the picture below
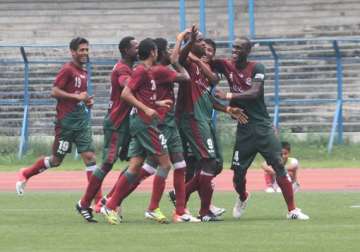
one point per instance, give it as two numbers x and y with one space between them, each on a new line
154 137
112 151
198 139
179 165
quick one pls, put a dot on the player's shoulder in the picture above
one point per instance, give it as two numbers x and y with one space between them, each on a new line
120 66
68 69
138 70
68 66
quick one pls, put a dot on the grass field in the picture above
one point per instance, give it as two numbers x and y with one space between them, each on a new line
48 222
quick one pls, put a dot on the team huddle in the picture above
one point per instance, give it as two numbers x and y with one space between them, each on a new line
154 130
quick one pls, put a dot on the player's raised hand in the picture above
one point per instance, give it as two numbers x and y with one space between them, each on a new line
183 35
167 103
194 33
238 114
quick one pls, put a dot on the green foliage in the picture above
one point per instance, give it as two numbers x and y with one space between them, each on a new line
48 222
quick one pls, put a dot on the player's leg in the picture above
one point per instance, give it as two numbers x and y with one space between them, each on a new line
61 146
113 140
201 140
243 155
84 144
130 176
123 186
270 148
155 144
218 211
190 159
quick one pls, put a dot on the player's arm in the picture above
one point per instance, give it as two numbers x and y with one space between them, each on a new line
63 78
128 95
184 53
210 75
235 112
183 75
58 93
252 93
124 76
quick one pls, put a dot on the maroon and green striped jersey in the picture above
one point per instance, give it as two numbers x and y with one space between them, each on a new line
164 78
144 87
118 109
240 80
70 112
194 96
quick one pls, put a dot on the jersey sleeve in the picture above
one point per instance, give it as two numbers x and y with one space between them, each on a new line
136 79
259 72
62 78
164 75
124 73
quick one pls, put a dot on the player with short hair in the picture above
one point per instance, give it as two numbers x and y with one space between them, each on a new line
291 165
192 164
115 126
72 123
246 82
147 140
194 110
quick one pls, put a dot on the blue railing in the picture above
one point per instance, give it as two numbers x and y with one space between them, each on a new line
338 116
230 13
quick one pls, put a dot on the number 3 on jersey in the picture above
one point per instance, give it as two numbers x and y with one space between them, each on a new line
153 88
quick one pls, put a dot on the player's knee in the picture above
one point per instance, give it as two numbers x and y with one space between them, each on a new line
277 165
149 168
209 166
88 157
163 171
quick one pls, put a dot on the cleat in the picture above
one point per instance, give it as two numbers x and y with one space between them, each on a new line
86 213
21 183
240 207
269 190
210 217
156 215
296 214
172 197
111 216
184 218
218 211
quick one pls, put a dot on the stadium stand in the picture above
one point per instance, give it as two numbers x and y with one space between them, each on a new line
307 68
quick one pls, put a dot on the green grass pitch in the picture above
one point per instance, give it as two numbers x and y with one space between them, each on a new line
47 221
